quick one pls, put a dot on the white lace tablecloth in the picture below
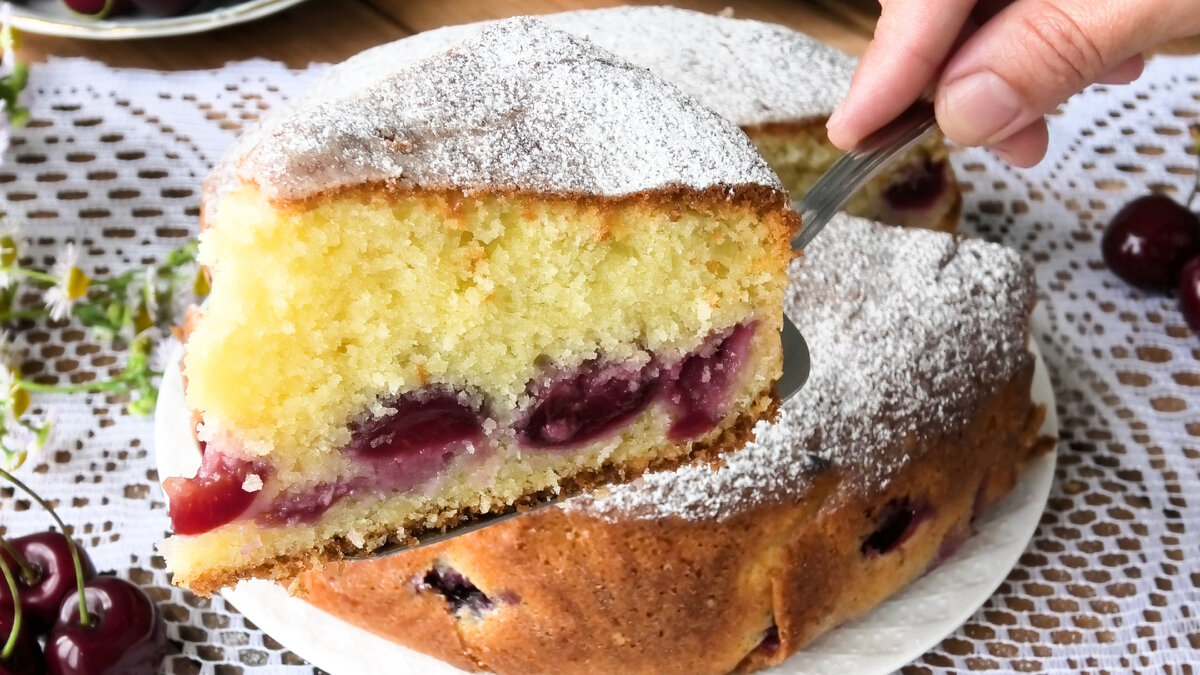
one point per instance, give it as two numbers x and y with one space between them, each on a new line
113 160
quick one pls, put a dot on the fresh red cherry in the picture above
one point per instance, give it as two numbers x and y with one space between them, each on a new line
124 635
214 497
99 8
26 657
48 556
1149 240
1189 293
166 7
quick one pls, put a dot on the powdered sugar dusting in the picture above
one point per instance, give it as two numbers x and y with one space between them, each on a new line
749 72
519 105
908 330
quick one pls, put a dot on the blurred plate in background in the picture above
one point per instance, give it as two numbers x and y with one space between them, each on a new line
51 17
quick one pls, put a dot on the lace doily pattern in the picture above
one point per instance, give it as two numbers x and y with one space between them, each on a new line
113 160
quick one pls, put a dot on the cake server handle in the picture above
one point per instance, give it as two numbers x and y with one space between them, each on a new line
852 170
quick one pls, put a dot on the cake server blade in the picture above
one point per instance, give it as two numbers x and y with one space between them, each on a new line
796 362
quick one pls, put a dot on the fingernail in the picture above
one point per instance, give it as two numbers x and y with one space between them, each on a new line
974 109
835 119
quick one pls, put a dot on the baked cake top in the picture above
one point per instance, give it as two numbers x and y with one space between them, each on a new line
749 72
909 331
518 105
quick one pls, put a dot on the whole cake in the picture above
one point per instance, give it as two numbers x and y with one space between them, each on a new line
775 83
916 417
514 268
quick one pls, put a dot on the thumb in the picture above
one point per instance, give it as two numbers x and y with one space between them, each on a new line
1035 54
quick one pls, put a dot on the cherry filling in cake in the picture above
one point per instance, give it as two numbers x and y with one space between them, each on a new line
919 187
216 496
425 432
590 403
897 521
699 392
420 436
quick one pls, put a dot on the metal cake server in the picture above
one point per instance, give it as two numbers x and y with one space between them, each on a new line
828 195
845 178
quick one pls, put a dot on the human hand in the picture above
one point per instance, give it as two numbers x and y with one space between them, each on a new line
996 67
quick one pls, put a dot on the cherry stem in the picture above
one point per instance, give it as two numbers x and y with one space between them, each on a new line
16 627
28 573
1195 149
84 617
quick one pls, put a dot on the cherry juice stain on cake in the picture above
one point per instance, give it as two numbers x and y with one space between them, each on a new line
592 402
216 496
699 393
920 187
459 592
896 522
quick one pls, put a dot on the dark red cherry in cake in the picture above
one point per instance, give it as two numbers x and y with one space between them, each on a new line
1149 240
1189 293
99 8
166 7
590 402
124 635
26 657
214 497
422 427
47 577
699 393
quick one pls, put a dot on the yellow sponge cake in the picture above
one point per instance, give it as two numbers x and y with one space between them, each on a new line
517 267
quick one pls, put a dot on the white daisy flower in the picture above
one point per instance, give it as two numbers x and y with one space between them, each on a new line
9 60
163 353
9 252
150 291
72 284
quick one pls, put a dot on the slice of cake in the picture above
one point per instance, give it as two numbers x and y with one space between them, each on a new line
516 268
917 417
777 84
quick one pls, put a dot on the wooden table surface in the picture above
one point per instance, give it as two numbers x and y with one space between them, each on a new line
332 30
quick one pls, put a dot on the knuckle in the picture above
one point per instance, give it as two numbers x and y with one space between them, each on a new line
1066 48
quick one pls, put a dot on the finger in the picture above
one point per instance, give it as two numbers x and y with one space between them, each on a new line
1127 71
1026 147
1036 53
911 42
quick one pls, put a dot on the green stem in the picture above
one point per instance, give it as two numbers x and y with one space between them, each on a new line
1195 185
84 618
24 314
43 277
13 634
117 384
1195 149
28 574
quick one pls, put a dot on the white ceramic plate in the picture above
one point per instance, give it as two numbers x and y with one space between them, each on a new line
890 636
50 17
